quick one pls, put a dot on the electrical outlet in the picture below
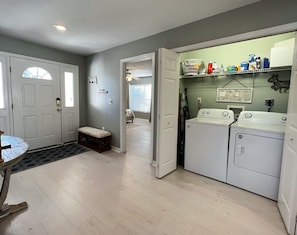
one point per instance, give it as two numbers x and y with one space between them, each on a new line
269 102
199 100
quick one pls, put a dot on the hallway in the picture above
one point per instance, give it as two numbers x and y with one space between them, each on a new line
138 138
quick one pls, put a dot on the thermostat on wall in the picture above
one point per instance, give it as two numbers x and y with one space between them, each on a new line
92 80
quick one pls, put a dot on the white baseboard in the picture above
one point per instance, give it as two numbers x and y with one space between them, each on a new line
116 149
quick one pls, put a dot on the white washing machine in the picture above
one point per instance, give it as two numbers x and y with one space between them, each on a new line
206 143
255 152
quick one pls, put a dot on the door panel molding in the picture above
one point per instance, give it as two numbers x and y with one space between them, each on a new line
167 124
287 199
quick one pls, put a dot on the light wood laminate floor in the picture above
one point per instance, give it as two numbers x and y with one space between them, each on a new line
113 193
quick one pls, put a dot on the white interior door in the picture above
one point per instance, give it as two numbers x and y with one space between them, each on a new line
36 117
287 200
167 125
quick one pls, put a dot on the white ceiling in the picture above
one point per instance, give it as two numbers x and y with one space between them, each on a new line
97 25
141 69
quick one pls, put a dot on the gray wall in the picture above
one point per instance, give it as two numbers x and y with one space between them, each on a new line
11 45
106 65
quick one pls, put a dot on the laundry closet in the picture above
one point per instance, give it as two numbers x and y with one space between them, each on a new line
250 77
206 90
252 80
233 86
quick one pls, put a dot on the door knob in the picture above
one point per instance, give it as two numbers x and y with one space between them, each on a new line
58 104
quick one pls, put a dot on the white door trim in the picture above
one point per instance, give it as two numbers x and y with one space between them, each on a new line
123 93
6 114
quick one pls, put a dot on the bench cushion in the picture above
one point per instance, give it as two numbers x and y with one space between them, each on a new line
91 131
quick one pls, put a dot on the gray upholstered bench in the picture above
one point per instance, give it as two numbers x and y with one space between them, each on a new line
93 138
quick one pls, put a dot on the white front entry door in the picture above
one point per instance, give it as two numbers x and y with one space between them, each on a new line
167 124
287 200
36 116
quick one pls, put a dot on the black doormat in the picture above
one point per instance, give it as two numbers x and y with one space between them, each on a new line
42 157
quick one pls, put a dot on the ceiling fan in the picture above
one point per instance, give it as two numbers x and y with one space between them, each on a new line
130 77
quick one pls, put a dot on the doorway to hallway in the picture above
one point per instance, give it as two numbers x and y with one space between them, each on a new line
128 135
138 138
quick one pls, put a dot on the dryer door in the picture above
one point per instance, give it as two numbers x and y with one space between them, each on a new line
261 154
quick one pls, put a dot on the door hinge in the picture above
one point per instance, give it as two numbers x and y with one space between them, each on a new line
10 69
11 106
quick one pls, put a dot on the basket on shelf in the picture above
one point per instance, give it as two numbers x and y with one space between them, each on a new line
192 66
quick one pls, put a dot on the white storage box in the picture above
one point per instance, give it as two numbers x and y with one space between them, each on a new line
282 53
281 56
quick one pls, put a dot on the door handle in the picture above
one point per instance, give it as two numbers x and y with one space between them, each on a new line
240 149
58 104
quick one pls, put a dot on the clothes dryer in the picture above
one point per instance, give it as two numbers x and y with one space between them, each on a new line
206 143
255 152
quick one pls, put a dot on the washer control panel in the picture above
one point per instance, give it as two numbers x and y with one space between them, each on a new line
222 114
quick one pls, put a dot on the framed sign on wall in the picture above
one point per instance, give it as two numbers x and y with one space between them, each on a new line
236 95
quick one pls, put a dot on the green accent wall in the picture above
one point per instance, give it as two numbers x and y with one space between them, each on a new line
234 54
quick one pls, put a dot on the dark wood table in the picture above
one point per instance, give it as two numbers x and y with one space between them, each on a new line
12 151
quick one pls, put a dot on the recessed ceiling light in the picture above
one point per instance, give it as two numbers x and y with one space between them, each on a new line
60 27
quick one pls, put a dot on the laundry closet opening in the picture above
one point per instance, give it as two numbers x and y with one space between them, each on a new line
234 81
202 90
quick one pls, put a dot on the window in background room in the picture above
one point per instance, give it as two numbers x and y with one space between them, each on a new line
69 94
140 97
1 88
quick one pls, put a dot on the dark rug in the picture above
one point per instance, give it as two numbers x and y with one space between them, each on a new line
42 157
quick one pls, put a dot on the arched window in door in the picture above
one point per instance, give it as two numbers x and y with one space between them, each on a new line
36 73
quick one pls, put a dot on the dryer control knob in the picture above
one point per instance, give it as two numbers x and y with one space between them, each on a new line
248 115
225 114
